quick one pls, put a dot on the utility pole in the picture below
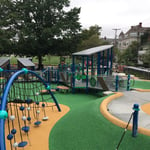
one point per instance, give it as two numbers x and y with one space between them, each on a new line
115 40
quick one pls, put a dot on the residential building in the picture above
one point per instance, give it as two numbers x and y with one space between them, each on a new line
133 34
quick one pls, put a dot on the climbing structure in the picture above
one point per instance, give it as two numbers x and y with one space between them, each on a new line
22 104
94 63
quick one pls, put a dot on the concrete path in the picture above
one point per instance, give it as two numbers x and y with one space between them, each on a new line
122 107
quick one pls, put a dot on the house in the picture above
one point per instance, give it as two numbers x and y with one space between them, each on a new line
133 34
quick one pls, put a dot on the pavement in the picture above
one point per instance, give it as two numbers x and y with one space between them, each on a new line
121 107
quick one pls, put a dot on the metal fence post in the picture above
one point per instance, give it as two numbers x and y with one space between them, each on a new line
117 82
128 82
135 120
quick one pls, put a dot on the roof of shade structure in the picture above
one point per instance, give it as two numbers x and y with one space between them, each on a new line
26 62
3 60
93 50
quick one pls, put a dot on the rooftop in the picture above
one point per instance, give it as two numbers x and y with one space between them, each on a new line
3 60
26 62
93 50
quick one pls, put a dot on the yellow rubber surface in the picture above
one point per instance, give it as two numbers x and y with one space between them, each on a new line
146 108
38 136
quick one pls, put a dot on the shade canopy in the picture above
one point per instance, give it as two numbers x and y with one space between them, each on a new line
92 51
26 62
3 61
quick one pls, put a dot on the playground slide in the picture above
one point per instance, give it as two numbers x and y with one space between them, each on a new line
102 83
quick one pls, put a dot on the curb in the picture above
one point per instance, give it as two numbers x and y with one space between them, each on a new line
142 90
116 121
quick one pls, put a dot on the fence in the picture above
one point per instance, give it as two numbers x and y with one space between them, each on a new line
143 73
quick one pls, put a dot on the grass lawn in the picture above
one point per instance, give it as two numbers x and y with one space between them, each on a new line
85 128
141 84
47 60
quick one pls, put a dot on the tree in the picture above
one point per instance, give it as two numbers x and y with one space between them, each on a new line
130 55
90 38
40 25
5 43
146 59
145 37
145 40
6 25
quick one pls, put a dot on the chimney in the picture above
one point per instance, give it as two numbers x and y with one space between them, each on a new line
140 24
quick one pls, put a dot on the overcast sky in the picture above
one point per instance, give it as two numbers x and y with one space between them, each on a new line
111 14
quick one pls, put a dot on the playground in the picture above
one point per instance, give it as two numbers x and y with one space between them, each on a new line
71 107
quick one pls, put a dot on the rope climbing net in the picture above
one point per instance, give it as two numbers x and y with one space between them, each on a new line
23 105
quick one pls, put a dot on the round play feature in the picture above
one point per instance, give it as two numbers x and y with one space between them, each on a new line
10 137
37 123
15 145
22 144
92 81
45 118
26 128
13 131
78 77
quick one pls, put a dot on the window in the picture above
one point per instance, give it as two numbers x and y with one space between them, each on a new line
133 34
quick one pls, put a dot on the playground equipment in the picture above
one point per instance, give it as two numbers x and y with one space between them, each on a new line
141 72
91 68
98 62
5 63
25 63
21 97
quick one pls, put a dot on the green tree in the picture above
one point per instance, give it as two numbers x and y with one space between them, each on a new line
91 38
6 26
146 59
41 25
145 45
5 43
145 37
130 55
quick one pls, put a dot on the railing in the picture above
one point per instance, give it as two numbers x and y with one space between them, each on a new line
140 72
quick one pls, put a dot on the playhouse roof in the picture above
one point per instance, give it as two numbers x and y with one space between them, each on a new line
93 50
26 62
3 60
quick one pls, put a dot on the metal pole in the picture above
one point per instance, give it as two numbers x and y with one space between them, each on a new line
108 67
98 64
135 120
128 83
73 74
103 63
117 81
87 70
48 74
82 65
111 60
92 63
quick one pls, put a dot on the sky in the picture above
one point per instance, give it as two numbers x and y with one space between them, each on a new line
113 14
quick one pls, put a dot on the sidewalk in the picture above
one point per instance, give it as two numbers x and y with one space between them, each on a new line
122 107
